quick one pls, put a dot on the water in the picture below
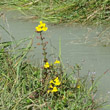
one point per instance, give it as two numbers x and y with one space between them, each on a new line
78 46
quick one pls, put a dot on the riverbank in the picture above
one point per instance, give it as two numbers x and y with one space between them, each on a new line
92 12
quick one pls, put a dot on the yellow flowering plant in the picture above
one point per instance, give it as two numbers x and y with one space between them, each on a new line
50 70
53 84
41 27
46 65
54 81
57 82
53 90
57 62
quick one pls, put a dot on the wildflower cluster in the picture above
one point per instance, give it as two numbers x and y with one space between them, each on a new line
47 65
53 84
57 85
41 27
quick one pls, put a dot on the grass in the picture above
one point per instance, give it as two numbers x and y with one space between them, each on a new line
61 11
25 87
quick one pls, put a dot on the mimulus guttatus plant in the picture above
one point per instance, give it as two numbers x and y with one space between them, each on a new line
57 62
41 27
49 69
54 82
46 65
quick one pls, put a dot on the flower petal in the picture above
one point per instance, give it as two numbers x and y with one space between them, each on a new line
51 81
51 86
56 62
55 89
40 22
38 29
45 29
46 65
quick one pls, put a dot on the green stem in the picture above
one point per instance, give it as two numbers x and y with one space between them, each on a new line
43 48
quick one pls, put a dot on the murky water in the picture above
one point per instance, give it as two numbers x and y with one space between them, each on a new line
78 46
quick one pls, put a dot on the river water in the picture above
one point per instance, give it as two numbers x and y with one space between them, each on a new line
79 45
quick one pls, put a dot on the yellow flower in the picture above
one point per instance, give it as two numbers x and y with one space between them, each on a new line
57 82
38 28
56 79
41 27
56 62
54 89
44 28
78 86
51 81
51 86
42 24
46 65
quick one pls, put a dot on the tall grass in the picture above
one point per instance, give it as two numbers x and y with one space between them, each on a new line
57 11
17 78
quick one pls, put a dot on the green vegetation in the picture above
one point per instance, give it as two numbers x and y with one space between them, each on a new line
58 11
46 87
